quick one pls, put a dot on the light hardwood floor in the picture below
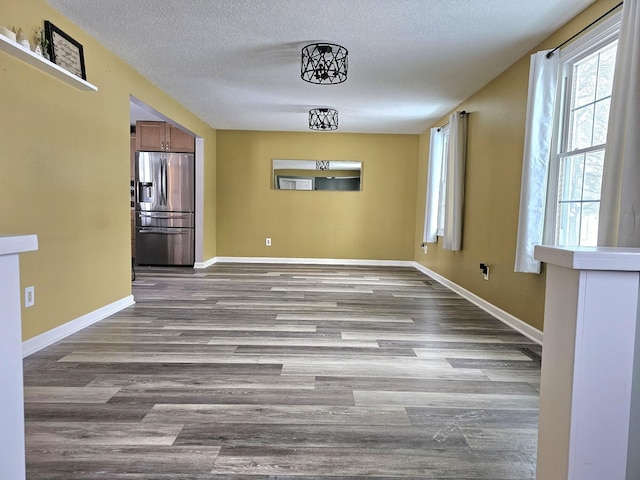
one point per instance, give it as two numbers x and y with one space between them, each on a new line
286 372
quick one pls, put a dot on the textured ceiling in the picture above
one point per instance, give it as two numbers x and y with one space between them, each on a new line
236 63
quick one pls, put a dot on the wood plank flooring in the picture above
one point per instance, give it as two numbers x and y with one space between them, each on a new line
286 372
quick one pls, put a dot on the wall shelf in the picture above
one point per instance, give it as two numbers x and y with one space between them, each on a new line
26 55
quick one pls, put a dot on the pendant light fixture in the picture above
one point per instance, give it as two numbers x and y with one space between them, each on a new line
323 119
324 63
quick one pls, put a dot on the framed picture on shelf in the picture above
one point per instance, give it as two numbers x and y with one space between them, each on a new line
64 51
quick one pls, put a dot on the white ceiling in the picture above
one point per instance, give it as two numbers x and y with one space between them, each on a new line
236 63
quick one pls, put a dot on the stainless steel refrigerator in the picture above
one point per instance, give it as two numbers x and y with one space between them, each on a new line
164 208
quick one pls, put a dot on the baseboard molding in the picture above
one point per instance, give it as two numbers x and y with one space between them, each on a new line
505 317
317 261
206 263
55 334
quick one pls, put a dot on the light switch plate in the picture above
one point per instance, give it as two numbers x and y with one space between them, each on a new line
29 296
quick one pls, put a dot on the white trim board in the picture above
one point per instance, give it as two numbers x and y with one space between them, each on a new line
206 263
505 317
316 261
58 333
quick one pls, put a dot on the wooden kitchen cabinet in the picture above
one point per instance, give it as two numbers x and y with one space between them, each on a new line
178 140
162 137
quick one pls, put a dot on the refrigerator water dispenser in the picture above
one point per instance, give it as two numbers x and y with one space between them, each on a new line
145 192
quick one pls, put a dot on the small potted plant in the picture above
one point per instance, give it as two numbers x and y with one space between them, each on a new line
41 43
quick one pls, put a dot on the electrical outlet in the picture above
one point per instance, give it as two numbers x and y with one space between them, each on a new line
29 296
484 269
268 242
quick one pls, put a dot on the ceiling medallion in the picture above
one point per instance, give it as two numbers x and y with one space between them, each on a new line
324 63
323 119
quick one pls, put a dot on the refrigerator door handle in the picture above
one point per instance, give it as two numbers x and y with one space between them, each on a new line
163 186
165 231
165 216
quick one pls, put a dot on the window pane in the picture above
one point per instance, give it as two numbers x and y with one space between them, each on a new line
601 121
605 71
589 224
578 223
579 186
581 128
594 163
571 176
568 223
584 77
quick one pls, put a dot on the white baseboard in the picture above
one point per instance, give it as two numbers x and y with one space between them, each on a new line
206 263
505 317
317 261
55 334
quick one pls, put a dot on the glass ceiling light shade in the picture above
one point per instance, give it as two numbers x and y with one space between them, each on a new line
324 63
323 119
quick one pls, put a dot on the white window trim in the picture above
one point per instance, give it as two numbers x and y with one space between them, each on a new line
605 32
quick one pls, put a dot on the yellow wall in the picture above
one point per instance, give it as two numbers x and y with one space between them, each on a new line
492 190
376 223
64 173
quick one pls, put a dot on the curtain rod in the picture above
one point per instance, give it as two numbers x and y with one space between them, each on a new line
462 114
550 54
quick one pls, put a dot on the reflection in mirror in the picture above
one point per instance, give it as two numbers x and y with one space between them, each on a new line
316 175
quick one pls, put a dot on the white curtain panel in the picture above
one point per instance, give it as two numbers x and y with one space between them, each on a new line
454 200
543 80
619 224
433 187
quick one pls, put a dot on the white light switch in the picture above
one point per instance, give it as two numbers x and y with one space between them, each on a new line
29 296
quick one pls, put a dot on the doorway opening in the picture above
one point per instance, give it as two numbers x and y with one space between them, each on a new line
165 205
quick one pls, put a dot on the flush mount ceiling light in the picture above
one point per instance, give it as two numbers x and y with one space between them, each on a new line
324 63
323 119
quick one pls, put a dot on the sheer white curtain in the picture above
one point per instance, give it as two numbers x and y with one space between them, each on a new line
433 187
454 194
543 80
619 224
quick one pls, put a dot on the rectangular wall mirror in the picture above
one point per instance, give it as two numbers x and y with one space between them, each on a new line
316 175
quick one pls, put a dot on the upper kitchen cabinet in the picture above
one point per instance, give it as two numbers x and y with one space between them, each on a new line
162 137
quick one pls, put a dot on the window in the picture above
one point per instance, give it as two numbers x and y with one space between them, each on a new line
436 185
575 175
445 183
444 149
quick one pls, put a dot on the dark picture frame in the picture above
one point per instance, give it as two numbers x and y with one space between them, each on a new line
64 51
